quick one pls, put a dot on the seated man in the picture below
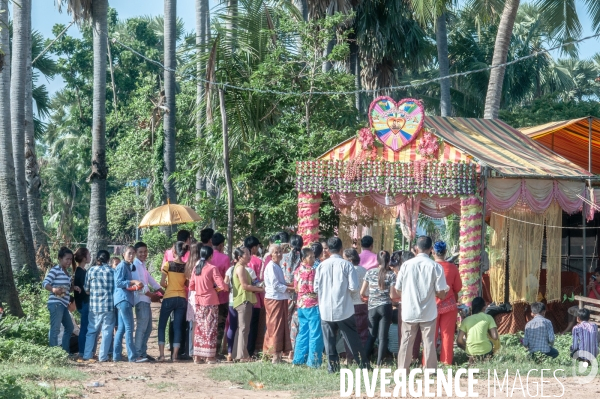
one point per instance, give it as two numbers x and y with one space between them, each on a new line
539 333
585 337
478 332
74 342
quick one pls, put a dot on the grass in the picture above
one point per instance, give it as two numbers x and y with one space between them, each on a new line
308 383
162 386
30 381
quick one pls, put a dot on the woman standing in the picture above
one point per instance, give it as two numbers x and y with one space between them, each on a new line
232 320
379 287
309 342
244 298
447 308
277 338
174 301
82 257
205 282
290 262
58 282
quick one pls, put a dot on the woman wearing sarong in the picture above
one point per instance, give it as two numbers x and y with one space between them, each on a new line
206 281
277 339
290 262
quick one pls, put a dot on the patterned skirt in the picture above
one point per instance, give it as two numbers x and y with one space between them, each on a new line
205 336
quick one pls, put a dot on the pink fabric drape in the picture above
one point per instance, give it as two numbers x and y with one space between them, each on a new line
538 194
409 216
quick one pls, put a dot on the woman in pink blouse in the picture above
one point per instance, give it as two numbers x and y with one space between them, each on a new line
206 282
309 342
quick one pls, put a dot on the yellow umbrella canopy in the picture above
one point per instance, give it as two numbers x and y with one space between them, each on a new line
168 215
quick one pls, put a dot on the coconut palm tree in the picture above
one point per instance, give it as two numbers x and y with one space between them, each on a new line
9 296
21 51
202 38
96 11
13 224
170 40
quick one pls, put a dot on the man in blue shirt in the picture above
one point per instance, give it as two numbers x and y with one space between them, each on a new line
125 285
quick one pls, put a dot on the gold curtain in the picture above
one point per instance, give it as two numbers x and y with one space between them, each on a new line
525 254
553 252
364 217
498 241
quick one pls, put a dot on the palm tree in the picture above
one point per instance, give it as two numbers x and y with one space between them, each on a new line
21 51
13 224
97 11
8 291
170 19
202 38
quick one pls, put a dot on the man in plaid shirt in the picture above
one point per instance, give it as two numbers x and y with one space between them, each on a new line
100 285
539 333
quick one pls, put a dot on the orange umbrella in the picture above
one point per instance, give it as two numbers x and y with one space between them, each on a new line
168 215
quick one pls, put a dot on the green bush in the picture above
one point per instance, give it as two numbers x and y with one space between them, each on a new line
28 329
21 351
10 387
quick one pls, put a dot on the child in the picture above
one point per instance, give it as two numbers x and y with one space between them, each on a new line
585 337
114 262
477 332
74 341
539 333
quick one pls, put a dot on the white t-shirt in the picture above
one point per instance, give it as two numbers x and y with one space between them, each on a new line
360 272
418 280
229 273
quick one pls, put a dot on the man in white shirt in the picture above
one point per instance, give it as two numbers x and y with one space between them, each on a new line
335 280
420 281
142 300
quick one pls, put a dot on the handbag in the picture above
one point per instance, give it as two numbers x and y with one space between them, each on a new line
448 304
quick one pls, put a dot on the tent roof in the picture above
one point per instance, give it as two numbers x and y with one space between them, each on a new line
570 139
488 142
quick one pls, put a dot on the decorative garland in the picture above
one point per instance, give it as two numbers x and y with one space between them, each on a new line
429 145
372 176
470 247
308 216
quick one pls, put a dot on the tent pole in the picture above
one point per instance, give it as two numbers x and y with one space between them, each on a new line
590 144
483 229
584 268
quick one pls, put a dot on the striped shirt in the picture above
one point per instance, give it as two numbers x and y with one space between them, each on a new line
585 338
100 283
57 277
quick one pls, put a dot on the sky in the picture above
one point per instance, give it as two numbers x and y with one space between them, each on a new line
45 15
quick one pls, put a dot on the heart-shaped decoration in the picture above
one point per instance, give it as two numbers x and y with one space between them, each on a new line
396 124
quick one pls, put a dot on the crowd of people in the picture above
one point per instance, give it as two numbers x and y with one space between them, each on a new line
316 298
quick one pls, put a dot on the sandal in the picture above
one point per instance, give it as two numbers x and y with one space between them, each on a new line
161 359
229 359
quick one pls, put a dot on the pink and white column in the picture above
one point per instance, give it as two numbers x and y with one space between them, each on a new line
308 216
470 247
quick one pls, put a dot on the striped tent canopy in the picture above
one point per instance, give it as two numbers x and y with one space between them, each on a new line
507 151
570 139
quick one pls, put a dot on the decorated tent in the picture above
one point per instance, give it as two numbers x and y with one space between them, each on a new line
406 163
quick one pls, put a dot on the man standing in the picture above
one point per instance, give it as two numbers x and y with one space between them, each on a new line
335 280
142 301
100 285
368 259
419 282
222 263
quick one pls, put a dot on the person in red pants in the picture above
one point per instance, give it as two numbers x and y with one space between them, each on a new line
447 308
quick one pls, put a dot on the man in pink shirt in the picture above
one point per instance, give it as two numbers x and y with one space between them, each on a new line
368 259
222 263
182 235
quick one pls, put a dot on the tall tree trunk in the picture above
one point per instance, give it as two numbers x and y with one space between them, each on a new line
202 37
232 12
302 6
97 230
355 70
228 181
494 91
9 296
32 177
170 88
441 37
21 47
13 225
